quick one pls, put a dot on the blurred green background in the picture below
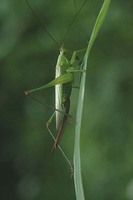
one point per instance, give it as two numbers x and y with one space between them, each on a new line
27 60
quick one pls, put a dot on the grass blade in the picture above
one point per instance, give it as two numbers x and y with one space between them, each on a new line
77 161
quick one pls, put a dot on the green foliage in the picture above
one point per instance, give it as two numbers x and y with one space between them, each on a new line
77 160
27 60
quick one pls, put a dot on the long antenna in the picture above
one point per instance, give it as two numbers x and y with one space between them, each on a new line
43 27
77 13
76 10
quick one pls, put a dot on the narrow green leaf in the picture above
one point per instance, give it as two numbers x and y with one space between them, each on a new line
77 161
97 26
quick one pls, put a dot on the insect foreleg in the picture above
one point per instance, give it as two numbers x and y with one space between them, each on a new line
76 62
78 56
71 69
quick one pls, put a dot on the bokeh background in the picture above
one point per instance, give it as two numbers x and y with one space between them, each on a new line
27 60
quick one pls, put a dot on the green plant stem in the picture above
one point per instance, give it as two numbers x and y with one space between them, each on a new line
77 160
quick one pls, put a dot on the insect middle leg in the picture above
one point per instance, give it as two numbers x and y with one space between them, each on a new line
50 120
48 123
47 126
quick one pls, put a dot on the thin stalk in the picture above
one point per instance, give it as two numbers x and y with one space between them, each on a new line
77 160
